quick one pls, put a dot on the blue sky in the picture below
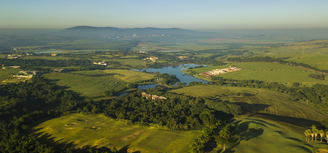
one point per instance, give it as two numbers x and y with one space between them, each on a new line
188 14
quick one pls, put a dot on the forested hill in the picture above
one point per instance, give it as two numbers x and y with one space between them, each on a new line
88 31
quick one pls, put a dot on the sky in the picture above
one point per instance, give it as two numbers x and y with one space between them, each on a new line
187 14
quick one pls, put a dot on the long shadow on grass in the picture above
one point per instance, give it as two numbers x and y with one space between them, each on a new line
75 94
245 133
62 146
251 108
301 122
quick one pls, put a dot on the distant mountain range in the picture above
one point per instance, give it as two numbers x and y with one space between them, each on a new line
113 32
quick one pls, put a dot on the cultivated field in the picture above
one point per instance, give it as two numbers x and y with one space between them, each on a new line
100 131
258 135
88 86
262 103
125 75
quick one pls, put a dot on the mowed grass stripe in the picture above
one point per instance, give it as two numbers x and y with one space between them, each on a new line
100 131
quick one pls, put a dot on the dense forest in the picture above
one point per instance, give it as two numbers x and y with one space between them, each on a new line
178 112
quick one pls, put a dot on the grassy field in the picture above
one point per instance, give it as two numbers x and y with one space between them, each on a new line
87 86
315 60
50 57
100 131
125 75
5 73
262 103
268 72
258 136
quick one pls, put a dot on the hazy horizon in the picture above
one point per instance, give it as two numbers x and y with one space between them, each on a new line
195 15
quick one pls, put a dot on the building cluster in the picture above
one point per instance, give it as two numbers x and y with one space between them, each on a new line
11 67
153 58
220 71
182 57
100 63
153 97
13 56
25 74
142 52
60 70
54 54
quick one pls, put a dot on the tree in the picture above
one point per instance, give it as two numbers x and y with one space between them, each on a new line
315 133
179 84
224 137
307 134
109 93
327 136
321 132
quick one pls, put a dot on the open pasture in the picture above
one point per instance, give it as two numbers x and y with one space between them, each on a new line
315 60
262 103
87 86
100 131
125 75
267 72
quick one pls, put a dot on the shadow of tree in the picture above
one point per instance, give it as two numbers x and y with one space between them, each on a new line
251 108
62 146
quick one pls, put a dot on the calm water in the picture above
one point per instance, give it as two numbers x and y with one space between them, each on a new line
176 70
50 51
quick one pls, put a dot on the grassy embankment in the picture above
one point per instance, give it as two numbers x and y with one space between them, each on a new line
262 103
100 131
267 72
258 135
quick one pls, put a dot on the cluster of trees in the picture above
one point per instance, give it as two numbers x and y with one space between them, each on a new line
221 133
317 76
314 133
165 78
178 112
270 59
24 104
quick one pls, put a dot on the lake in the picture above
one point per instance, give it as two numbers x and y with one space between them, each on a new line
176 70
50 51
172 70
